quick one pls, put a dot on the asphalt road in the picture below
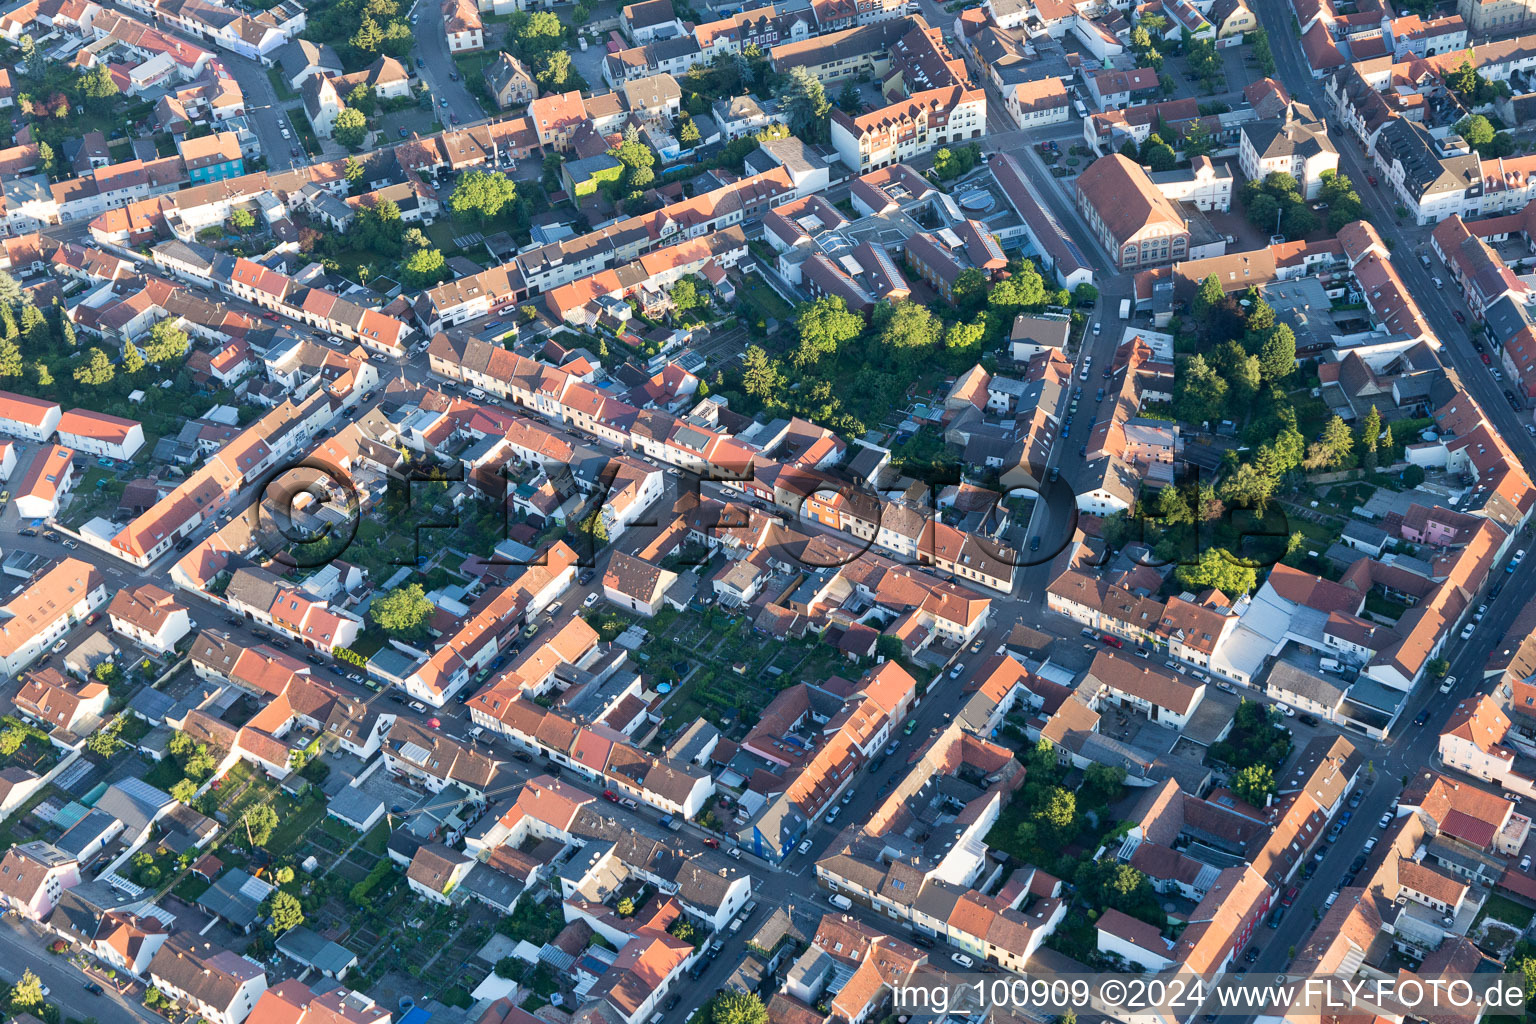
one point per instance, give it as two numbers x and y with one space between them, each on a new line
23 946
440 71
1411 748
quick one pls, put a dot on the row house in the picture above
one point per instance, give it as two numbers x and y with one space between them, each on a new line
205 492
596 754
47 608
909 127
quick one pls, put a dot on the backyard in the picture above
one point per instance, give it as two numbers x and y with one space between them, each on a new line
723 670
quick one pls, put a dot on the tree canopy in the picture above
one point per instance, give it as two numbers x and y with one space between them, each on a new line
483 194
403 611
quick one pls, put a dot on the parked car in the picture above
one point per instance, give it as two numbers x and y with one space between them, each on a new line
1423 717
1385 821
417 706
1290 896
1113 641
93 988
954 673
1308 720
962 960
1448 684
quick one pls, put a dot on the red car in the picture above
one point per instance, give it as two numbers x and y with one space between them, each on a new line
1371 178
713 844
1112 641
610 796
1484 357
1290 897
1459 318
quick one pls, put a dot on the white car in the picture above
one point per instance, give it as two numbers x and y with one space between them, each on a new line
805 846
1519 556
286 133
418 707
590 600
955 672
1385 821
1286 710
1448 685
962 960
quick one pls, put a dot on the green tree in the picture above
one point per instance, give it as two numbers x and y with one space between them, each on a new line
735 1007
353 169
27 994
805 106
1298 220
1241 372
10 290
42 374
593 526
482 193
625 907
1198 140
104 742
760 375
1207 298
1199 392
1058 811
241 220
910 331
350 128
261 819
166 342
509 967
201 764
1021 290
11 739
537 32
685 295
283 875
285 911
34 326
554 72
1338 442
1263 57
848 99
184 791
1277 353
1248 486
403 611
1215 568
1438 668
67 332
132 361
1157 154
1370 430
425 267
10 358
45 156
1254 784
964 337
688 133
96 370
823 325
1263 211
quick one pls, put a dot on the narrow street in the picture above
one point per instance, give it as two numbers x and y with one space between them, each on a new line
440 70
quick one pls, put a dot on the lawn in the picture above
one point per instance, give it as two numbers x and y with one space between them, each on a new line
280 84
761 300
293 820
1501 908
